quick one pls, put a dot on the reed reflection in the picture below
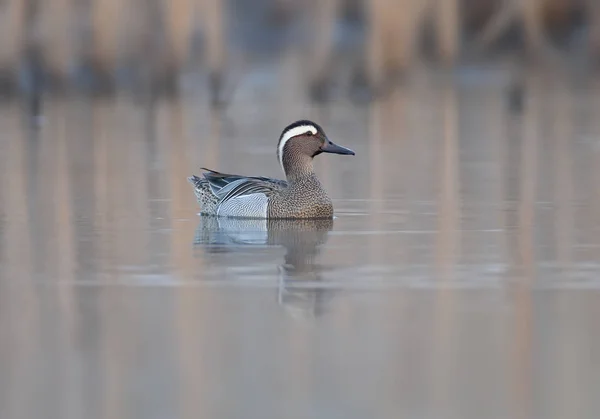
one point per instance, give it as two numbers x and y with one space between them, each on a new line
298 288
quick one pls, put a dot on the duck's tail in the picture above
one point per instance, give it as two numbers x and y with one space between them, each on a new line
207 201
196 181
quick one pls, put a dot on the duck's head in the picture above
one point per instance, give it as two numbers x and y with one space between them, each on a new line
300 142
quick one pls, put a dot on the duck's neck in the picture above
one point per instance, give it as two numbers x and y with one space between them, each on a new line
299 169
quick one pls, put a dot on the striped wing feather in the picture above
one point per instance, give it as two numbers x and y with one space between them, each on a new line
226 186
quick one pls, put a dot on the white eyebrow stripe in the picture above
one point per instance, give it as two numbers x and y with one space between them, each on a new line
302 129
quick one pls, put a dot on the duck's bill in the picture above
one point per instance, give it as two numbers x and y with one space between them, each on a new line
330 147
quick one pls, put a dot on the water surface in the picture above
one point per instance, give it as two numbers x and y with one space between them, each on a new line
459 279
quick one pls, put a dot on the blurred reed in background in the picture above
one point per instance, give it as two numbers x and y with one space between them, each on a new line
103 45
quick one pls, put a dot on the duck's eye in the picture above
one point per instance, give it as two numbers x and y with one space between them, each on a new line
309 133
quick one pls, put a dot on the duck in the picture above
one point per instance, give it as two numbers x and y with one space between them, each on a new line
300 196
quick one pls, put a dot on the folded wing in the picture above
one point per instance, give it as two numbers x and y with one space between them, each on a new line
240 196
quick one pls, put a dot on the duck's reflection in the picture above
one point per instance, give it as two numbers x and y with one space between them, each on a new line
299 289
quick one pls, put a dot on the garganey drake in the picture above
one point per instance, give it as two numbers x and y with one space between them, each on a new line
300 197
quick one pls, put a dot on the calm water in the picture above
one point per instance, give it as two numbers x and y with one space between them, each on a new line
460 278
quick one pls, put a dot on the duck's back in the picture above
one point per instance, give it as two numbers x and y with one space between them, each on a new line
227 195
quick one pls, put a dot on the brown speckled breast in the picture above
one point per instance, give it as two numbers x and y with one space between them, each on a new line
303 198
